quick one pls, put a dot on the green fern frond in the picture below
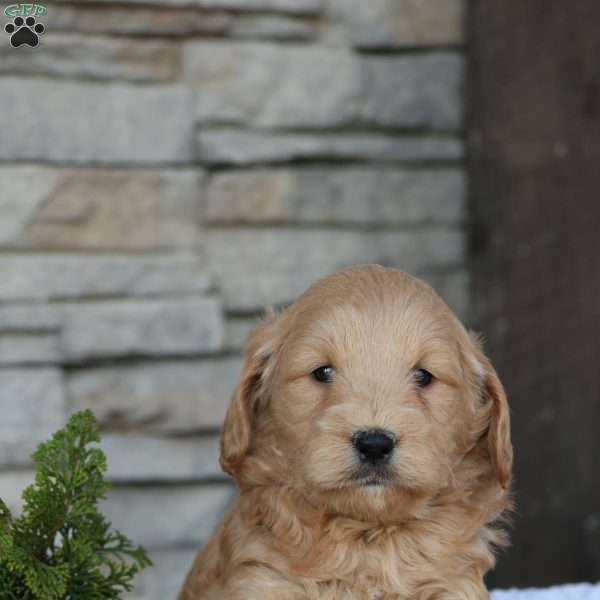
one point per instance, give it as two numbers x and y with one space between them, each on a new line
61 547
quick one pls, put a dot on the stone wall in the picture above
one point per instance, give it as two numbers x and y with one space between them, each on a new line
170 167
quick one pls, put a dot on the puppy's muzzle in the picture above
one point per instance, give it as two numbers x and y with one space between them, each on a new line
374 446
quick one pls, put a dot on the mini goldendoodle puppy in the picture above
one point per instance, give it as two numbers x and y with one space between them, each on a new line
369 438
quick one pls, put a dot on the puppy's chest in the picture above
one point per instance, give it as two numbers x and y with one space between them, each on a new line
368 577
361 589
368 592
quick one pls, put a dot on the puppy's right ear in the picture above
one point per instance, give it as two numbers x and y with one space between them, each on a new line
493 395
249 395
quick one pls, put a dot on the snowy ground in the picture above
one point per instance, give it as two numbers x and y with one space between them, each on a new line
579 591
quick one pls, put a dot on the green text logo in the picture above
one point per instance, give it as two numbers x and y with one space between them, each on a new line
25 10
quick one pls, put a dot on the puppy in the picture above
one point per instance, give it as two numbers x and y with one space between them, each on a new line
369 439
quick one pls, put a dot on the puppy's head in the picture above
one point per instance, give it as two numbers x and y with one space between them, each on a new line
367 385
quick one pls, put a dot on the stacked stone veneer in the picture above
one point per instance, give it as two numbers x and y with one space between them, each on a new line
170 167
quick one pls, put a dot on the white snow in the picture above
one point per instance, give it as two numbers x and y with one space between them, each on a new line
575 591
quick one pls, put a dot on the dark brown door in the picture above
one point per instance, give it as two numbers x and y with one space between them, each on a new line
533 133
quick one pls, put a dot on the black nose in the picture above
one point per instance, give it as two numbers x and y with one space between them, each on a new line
374 446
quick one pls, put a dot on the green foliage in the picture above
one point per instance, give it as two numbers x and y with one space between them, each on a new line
61 547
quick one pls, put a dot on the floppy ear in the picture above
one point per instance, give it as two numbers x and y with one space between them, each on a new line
258 364
498 432
499 442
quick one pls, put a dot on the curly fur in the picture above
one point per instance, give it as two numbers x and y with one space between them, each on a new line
304 527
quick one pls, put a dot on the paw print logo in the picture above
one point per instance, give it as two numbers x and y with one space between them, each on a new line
24 31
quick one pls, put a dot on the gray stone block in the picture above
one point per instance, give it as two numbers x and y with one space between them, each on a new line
106 123
300 7
163 581
33 406
149 328
143 20
454 287
62 276
76 332
246 147
173 21
230 79
397 23
100 208
30 318
135 457
23 190
357 196
173 396
274 27
253 196
29 348
258 268
12 485
98 58
422 92
168 516
237 331
266 85
303 7
424 250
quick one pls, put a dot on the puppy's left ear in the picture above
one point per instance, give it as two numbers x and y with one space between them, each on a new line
498 432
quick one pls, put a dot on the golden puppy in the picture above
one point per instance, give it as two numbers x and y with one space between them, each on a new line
369 438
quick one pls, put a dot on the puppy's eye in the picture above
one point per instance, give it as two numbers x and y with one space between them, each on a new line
423 378
324 374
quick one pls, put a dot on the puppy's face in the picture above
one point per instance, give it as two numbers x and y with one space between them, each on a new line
370 393
366 385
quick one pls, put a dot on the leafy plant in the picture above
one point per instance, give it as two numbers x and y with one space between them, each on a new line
61 547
